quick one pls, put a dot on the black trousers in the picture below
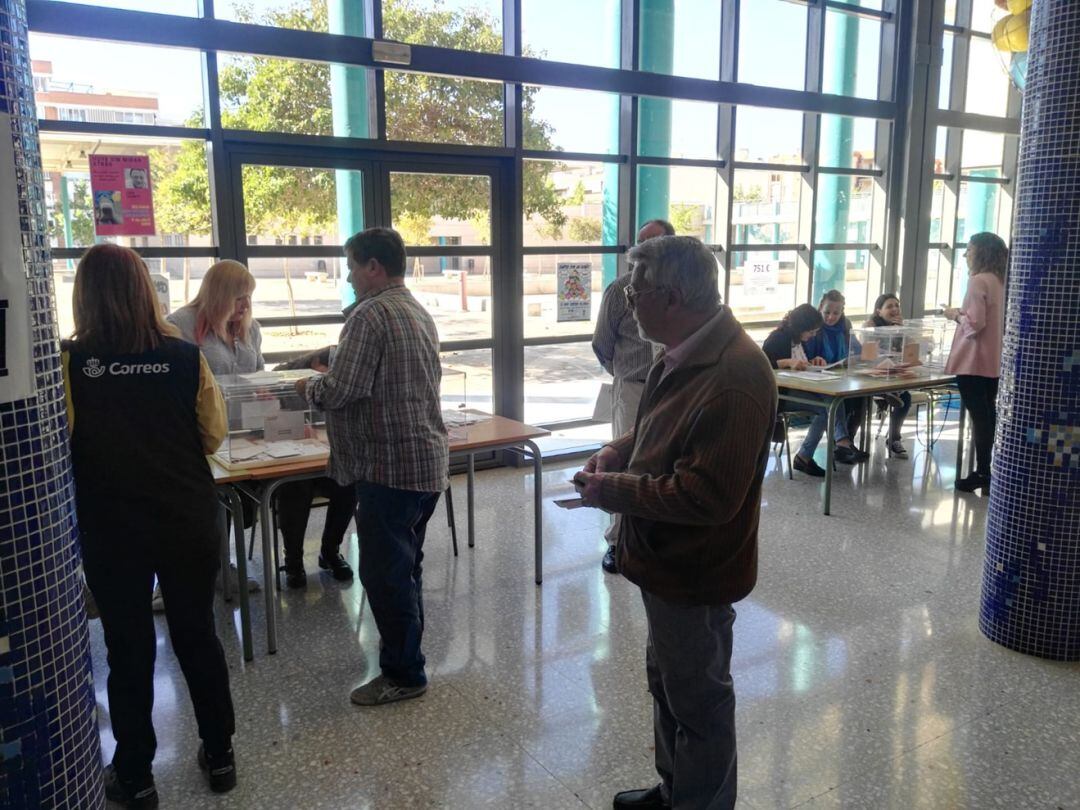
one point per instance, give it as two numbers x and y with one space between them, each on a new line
294 506
120 566
979 397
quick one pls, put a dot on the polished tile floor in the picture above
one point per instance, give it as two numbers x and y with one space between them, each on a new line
861 676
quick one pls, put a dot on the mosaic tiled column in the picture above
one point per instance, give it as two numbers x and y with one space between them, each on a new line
1031 582
49 748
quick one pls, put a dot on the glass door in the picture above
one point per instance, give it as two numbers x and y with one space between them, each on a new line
444 212
294 216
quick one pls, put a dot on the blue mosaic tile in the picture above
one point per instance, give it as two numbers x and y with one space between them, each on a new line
1031 580
49 749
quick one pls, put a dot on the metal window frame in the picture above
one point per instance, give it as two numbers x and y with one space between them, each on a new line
905 111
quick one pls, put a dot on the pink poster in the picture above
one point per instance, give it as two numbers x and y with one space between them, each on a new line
123 201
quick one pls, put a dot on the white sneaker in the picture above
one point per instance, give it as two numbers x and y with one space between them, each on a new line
253 585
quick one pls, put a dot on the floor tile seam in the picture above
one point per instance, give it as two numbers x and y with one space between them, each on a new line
900 755
550 773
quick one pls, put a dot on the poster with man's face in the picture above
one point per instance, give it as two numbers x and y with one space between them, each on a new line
123 199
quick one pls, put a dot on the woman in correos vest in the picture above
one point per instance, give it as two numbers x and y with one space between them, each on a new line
143 412
219 322
975 358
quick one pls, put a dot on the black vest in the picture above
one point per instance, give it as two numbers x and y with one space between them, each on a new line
135 448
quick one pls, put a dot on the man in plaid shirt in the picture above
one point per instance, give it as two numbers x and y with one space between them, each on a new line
387 438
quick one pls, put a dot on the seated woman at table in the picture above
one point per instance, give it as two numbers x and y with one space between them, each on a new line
219 322
143 410
831 344
887 313
784 348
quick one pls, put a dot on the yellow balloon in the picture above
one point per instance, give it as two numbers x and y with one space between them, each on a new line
1019 6
1011 33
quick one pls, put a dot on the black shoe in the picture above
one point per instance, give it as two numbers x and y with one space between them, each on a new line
135 796
845 455
295 576
896 449
645 799
809 467
336 565
220 768
608 563
973 482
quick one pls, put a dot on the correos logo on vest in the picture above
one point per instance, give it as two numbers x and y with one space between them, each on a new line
93 368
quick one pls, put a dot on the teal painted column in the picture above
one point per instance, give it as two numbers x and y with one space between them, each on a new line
65 208
349 102
981 216
835 149
657 55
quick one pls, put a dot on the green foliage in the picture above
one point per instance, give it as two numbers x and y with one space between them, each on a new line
266 94
82 215
583 229
577 196
181 189
752 194
685 218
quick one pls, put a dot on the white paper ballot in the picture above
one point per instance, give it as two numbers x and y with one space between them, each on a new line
810 375
254 412
260 376
283 449
245 452
284 426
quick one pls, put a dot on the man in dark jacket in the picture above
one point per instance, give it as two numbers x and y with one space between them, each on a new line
687 482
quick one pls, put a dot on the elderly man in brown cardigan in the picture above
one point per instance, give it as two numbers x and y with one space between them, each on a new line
687 482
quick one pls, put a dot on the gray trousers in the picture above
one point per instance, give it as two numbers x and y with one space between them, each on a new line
688 663
625 396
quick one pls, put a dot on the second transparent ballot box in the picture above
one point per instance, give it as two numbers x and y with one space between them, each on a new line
454 397
937 333
886 351
269 422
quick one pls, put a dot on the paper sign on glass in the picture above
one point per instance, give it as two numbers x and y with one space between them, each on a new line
123 200
574 291
284 426
911 355
869 351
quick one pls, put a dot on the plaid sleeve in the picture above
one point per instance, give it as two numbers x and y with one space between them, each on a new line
352 374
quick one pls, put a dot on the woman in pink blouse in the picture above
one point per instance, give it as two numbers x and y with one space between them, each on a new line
976 350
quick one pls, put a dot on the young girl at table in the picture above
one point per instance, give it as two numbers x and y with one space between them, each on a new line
887 313
219 322
784 348
143 410
831 343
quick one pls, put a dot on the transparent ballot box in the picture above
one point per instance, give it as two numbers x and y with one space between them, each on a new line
269 423
887 351
938 336
454 397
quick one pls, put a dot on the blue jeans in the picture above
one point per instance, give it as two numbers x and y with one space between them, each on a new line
818 425
897 415
391 524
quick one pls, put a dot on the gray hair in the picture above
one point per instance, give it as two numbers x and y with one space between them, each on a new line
680 263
